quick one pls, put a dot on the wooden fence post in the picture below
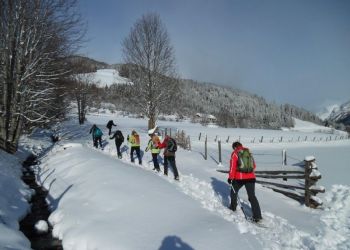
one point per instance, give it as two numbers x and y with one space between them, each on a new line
205 148
219 145
281 139
216 137
308 169
199 138
261 140
284 160
228 138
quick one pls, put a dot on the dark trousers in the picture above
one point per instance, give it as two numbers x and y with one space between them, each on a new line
109 131
118 144
97 141
155 161
137 149
170 160
250 187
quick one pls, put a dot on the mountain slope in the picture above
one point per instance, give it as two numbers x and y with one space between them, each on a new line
341 114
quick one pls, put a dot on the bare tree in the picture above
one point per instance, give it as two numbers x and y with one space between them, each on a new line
36 36
82 88
150 56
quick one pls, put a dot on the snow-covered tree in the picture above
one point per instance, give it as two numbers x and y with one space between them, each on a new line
36 36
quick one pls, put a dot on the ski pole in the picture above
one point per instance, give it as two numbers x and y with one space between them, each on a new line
239 202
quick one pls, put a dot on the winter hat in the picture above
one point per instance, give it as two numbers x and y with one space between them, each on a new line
236 144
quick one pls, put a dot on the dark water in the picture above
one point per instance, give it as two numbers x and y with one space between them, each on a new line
39 211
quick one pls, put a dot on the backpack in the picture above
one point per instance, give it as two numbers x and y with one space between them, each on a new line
119 136
172 146
98 132
137 139
245 161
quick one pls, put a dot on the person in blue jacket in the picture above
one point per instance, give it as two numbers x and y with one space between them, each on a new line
96 136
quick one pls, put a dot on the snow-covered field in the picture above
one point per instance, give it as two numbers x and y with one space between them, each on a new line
101 202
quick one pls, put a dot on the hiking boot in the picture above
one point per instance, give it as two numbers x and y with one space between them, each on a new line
232 208
257 220
176 178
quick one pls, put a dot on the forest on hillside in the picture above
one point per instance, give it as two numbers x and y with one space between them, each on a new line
232 107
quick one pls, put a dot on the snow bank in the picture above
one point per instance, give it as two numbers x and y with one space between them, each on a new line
100 202
13 203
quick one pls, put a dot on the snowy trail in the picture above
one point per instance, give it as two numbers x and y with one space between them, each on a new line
203 192
281 234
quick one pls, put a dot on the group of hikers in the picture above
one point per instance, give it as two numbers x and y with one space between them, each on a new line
154 145
242 164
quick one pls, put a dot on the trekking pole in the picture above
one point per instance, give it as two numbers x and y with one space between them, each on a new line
239 202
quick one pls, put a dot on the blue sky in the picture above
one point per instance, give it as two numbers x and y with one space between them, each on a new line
288 51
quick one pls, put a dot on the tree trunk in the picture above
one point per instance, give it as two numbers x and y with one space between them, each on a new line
151 122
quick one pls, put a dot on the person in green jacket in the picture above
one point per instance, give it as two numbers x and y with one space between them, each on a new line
153 146
134 141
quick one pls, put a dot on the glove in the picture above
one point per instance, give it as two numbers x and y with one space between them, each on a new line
229 181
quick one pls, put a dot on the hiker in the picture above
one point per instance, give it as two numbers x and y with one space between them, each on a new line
242 166
134 140
119 139
153 146
96 136
170 147
109 126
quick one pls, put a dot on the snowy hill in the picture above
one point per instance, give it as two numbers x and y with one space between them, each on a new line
305 126
105 77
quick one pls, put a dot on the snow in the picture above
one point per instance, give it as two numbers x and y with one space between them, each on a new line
41 226
101 202
315 174
310 158
13 203
317 188
305 126
106 77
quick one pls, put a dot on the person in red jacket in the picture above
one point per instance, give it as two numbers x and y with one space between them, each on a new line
238 179
169 145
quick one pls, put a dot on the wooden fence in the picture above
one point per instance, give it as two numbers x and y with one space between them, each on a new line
181 138
279 139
